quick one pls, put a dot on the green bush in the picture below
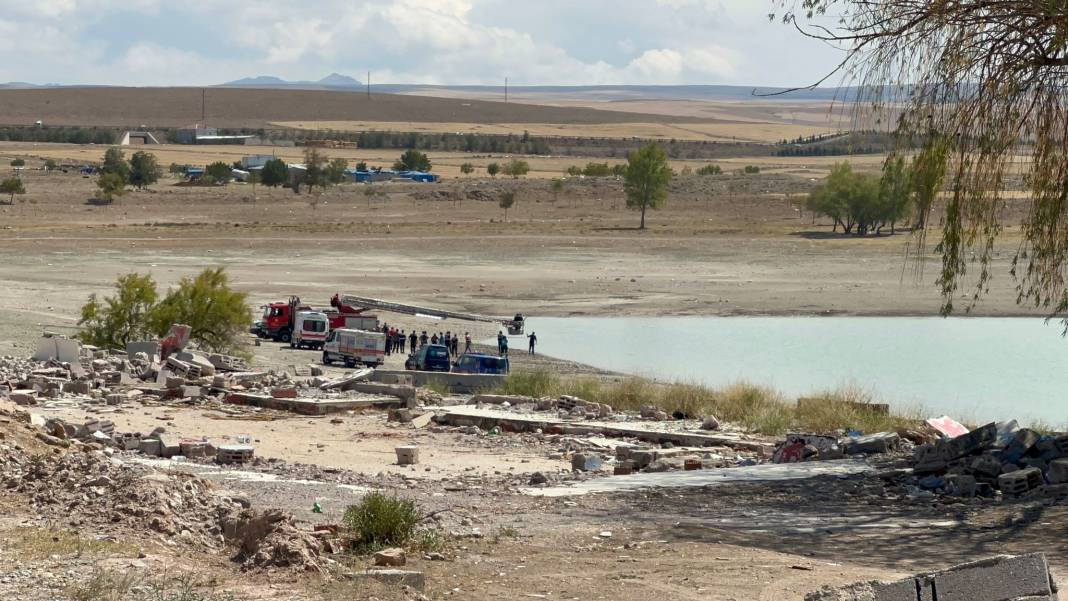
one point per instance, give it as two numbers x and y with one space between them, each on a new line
380 521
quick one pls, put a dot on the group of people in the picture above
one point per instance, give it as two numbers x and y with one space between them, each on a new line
397 339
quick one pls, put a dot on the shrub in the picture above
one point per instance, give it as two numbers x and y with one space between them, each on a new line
751 169
710 170
379 521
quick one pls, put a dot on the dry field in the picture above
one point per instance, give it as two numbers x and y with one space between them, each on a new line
720 131
252 108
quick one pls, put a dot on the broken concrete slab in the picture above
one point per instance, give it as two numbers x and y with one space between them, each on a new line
348 380
655 432
422 421
149 348
392 557
769 472
500 399
883 442
404 393
407 455
309 406
1001 578
58 348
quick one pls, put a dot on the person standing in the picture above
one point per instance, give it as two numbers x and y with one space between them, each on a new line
455 344
434 339
504 345
413 340
500 343
533 337
400 341
423 339
467 342
389 342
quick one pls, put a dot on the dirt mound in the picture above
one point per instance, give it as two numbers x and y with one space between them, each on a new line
82 487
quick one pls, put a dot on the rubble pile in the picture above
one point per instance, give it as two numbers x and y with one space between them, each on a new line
996 458
86 486
271 539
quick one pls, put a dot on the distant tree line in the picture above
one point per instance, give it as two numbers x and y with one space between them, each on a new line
59 135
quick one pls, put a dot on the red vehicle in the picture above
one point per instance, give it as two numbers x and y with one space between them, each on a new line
278 319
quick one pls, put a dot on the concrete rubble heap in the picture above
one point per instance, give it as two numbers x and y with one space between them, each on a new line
998 457
84 486
1001 578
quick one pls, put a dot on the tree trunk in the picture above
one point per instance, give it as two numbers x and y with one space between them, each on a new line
642 227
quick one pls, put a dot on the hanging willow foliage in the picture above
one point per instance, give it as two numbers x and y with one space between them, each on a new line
983 86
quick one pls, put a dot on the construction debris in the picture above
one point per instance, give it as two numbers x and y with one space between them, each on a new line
1001 578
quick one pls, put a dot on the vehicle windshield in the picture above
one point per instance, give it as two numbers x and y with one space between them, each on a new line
315 326
437 353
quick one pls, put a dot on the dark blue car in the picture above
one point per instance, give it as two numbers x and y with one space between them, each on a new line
431 357
481 364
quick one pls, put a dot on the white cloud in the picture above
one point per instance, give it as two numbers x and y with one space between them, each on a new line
416 41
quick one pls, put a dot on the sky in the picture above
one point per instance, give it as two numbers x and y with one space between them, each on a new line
532 42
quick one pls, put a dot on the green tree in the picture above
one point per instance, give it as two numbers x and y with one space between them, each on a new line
111 185
928 170
144 169
516 167
506 201
275 173
51 165
647 179
574 171
315 165
895 192
493 169
115 162
18 163
176 169
710 170
751 169
218 315
126 317
556 187
467 168
987 78
12 186
219 172
361 166
335 171
413 160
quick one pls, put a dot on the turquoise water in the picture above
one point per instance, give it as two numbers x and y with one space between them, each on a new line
973 368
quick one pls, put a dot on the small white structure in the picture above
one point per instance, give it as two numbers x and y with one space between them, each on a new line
138 138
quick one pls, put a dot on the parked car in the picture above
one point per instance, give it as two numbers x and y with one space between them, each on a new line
481 364
430 357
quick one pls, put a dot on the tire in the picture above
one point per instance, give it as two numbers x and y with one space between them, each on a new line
326 358
285 336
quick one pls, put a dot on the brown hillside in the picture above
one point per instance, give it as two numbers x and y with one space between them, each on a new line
225 107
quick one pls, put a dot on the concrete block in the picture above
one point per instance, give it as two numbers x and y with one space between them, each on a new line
407 455
585 462
1002 578
1058 471
962 485
393 557
195 449
78 387
1020 481
168 447
23 397
235 453
151 447
192 392
173 382
883 442
973 442
1021 443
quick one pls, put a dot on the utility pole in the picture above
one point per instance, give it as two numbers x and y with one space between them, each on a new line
203 105
368 85
506 90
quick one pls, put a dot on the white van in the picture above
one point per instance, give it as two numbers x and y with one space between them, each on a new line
355 346
310 329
